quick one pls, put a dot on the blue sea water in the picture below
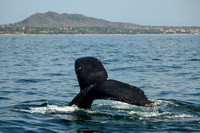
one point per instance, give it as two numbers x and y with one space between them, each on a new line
37 81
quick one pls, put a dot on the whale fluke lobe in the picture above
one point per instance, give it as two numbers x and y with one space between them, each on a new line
89 71
92 78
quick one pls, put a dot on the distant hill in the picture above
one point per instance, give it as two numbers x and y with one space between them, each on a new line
53 19
54 23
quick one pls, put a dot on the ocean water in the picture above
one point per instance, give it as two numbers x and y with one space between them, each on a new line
37 81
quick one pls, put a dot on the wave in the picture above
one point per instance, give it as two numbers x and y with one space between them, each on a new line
49 109
194 59
31 80
166 109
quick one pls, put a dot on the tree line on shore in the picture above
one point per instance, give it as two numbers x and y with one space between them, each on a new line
9 29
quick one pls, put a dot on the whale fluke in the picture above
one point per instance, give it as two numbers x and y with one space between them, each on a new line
92 78
89 71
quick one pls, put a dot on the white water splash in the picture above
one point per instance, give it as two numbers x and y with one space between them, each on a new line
113 104
50 109
164 109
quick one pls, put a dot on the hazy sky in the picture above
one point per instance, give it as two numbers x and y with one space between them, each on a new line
144 12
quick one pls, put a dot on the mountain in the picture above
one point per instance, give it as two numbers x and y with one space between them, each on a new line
53 19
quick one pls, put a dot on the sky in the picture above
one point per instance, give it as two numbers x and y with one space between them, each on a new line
144 12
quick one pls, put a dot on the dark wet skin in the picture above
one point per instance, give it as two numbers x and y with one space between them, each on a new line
94 84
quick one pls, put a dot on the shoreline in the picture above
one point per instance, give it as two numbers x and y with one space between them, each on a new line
99 34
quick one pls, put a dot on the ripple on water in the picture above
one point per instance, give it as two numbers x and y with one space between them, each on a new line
31 80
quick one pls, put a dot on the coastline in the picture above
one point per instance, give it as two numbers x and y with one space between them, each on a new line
99 34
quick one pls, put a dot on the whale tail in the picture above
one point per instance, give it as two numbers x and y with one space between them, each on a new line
92 78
